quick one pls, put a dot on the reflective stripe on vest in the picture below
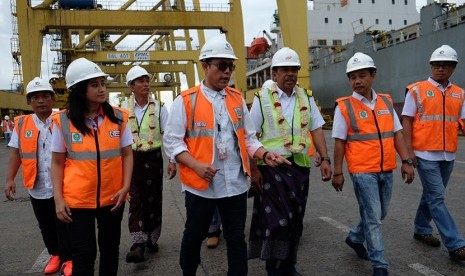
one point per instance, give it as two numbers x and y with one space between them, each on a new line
271 136
200 132
369 136
370 144
436 123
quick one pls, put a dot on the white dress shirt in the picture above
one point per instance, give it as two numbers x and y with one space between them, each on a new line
287 104
340 126
43 188
410 109
230 180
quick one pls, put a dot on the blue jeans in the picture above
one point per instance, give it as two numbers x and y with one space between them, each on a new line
199 212
434 177
373 192
7 137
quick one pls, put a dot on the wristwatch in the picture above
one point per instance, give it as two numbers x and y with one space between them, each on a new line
408 161
326 159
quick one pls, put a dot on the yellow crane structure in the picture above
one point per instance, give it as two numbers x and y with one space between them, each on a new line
100 32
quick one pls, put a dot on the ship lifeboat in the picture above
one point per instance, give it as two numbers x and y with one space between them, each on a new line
259 46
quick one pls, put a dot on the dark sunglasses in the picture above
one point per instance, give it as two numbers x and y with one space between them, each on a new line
223 65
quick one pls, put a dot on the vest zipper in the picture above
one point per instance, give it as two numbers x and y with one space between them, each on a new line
380 140
444 120
98 168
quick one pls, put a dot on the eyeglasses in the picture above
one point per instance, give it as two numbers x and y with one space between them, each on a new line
445 65
35 98
223 65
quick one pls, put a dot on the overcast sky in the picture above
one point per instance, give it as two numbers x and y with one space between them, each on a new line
257 16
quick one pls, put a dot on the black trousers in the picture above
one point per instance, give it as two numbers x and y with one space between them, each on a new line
84 242
199 210
54 232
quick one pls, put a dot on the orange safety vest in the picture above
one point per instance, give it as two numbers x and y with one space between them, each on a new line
28 139
370 139
6 123
435 124
200 133
93 170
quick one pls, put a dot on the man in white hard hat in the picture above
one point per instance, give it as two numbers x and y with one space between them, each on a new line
7 128
284 115
147 119
431 115
210 135
367 132
31 148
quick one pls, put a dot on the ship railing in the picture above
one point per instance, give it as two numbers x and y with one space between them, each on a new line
148 6
381 40
449 19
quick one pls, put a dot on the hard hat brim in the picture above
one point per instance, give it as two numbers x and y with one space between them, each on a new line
88 77
203 57
282 64
359 68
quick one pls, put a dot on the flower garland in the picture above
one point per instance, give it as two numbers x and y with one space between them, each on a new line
135 127
303 121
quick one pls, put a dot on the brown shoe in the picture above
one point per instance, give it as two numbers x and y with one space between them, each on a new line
212 242
427 239
458 254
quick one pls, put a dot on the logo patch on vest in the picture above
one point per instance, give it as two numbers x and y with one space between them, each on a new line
238 112
363 114
383 112
76 137
28 134
455 95
429 94
200 124
114 133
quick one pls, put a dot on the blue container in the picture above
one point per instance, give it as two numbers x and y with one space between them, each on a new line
77 4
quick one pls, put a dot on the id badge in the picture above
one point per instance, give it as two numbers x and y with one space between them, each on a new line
222 151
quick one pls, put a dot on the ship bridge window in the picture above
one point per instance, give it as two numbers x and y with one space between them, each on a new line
337 42
361 20
373 1
405 22
377 21
393 2
406 2
321 42
390 21
340 20
360 1
326 20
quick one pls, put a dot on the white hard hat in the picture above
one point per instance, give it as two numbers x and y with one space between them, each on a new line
359 61
7 117
285 57
38 84
267 84
82 69
217 47
134 73
444 53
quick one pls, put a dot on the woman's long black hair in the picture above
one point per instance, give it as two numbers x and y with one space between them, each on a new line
77 108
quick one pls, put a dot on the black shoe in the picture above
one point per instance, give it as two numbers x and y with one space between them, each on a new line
380 271
458 254
358 248
427 239
136 255
152 247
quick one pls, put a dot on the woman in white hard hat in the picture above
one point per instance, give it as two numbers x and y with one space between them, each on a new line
91 168
432 111
367 132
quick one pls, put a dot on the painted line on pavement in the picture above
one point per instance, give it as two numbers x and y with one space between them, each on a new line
461 162
424 270
40 263
336 224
